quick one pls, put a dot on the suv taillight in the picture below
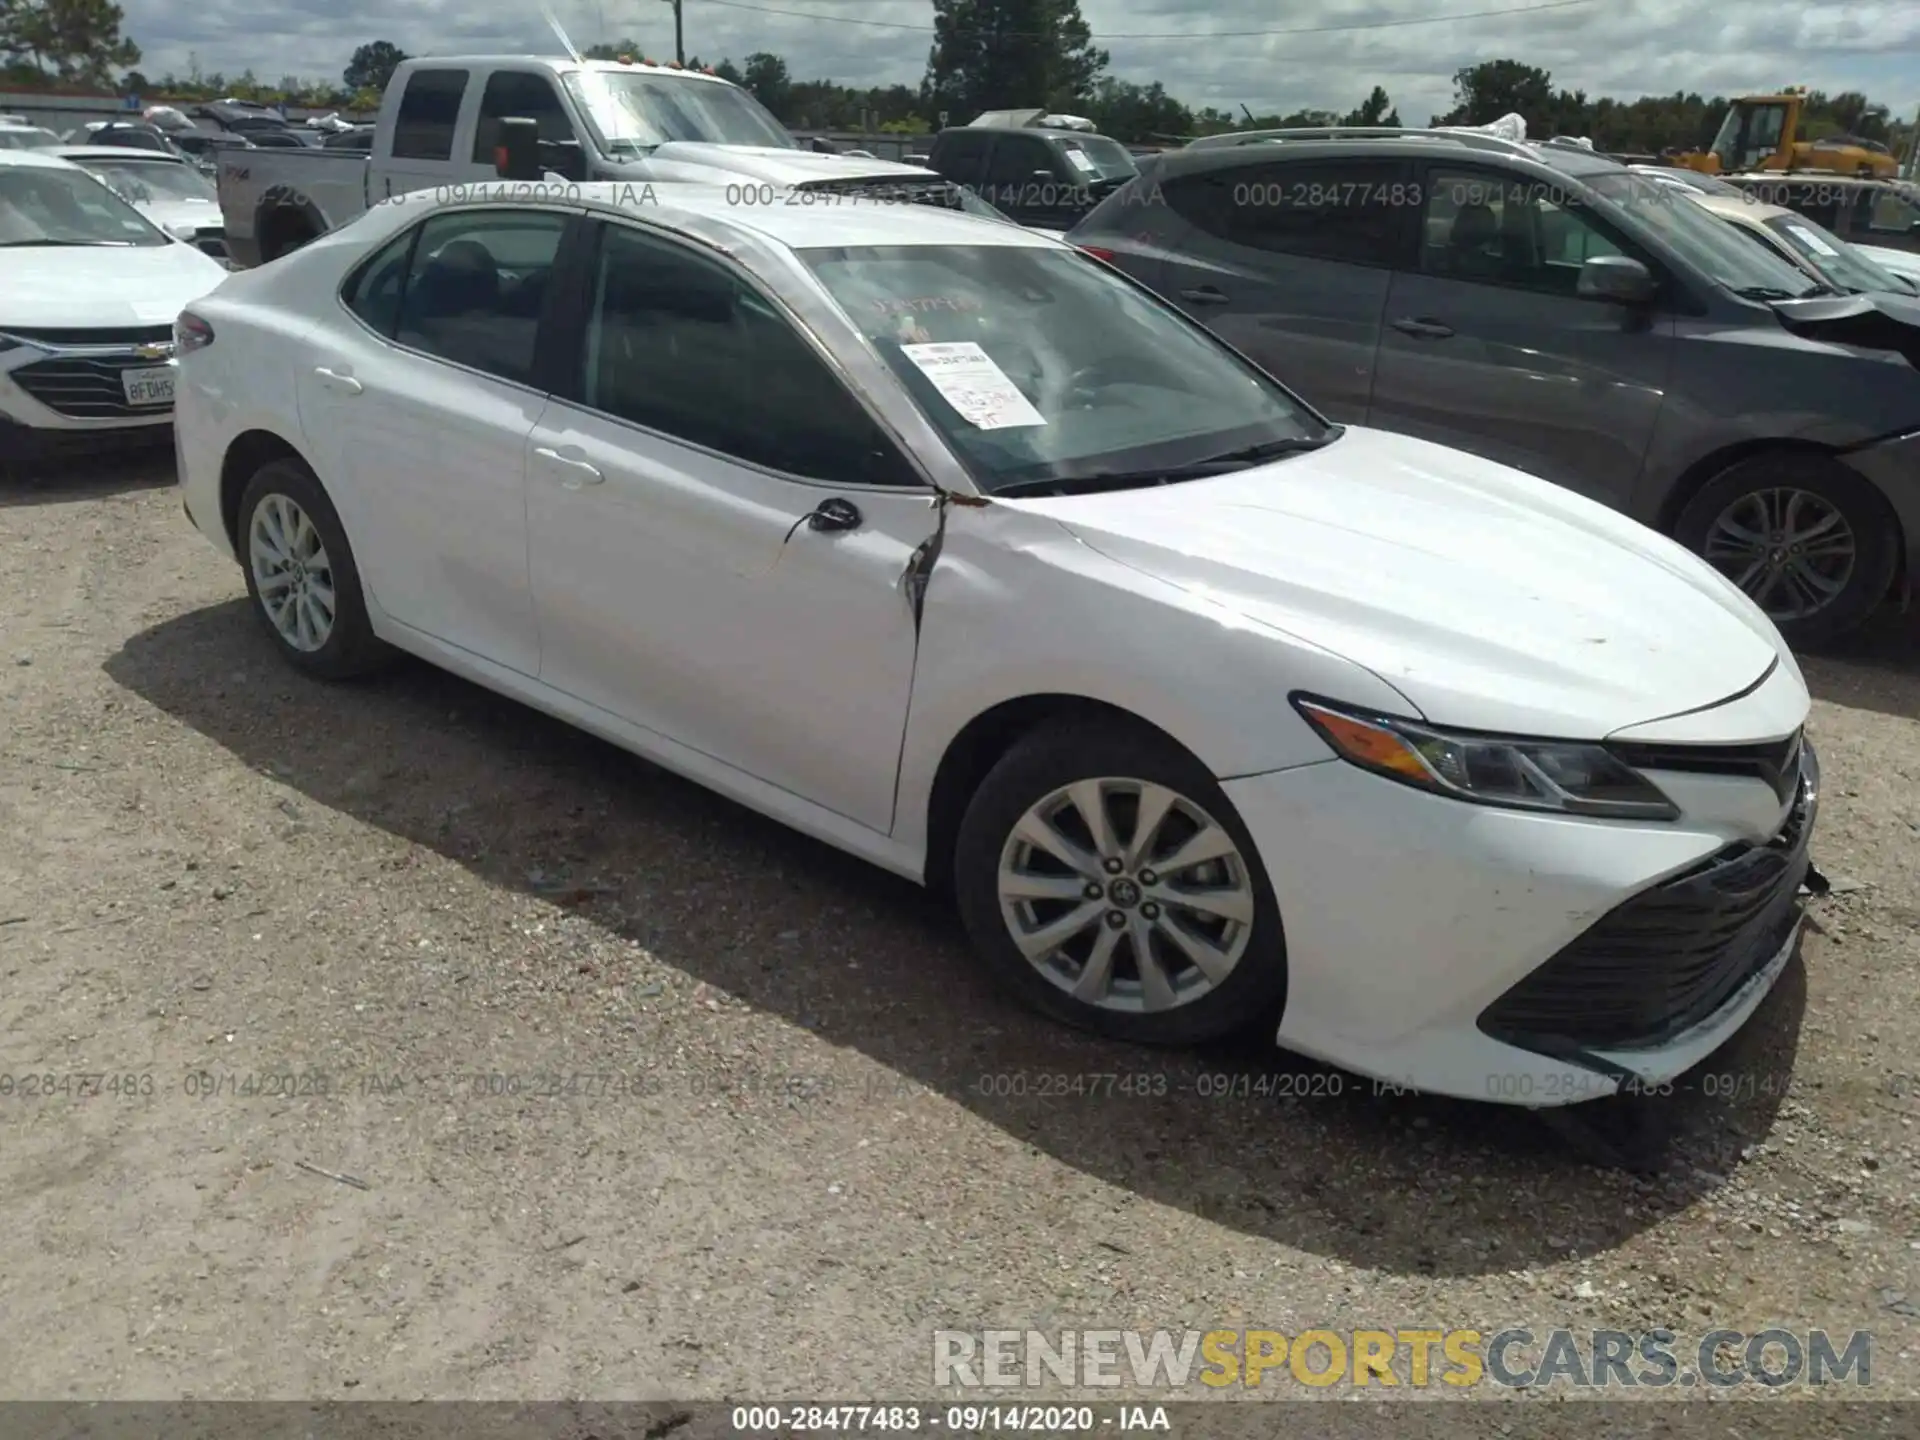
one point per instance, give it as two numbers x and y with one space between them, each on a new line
191 333
1097 253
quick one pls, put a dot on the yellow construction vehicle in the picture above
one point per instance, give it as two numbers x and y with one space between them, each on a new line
1762 132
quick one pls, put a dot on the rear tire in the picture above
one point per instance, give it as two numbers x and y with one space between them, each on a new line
1035 919
1815 545
301 576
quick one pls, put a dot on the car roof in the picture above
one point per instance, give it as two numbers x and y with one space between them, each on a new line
844 221
40 159
1263 147
558 64
1733 209
115 152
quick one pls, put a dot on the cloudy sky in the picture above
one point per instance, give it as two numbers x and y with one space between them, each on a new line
1624 48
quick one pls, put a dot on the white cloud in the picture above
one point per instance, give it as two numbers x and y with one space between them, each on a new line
1624 48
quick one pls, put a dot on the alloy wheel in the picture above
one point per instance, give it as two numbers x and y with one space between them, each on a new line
292 573
1790 550
1126 895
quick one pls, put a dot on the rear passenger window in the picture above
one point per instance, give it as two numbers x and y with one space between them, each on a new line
429 110
1355 211
373 291
476 286
963 159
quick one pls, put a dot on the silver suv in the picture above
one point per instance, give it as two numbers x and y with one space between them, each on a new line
1545 306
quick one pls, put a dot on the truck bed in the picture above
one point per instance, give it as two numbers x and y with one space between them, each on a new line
327 187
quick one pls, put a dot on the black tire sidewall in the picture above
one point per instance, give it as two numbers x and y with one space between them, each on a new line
351 649
1057 756
1866 511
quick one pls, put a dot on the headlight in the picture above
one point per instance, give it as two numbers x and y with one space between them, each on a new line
1566 777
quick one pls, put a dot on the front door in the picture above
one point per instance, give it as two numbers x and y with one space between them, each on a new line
1488 347
419 423
678 579
1290 264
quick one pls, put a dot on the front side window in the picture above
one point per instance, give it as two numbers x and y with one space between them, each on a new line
679 343
632 111
476 286
1040 365
429 111
518 94
48 207
1502 230
1018 161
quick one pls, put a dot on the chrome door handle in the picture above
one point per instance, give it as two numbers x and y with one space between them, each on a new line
337 380
579 471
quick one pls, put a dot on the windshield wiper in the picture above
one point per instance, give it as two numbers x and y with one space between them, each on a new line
30 244
1221 464
1770 292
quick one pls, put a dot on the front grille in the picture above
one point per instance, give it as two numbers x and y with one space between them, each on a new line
86 387
126 335
1777 762
1668 958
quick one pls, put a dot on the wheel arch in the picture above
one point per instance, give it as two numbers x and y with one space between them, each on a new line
250 450
283 211
978 746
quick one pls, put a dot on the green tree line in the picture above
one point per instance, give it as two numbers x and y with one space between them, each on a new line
985 55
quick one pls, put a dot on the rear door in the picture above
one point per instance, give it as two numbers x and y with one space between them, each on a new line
418 152
1290 262
1489 348
961 156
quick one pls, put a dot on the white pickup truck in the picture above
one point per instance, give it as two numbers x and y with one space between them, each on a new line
439 124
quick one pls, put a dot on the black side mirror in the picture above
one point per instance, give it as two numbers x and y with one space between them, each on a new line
564 158
516 152
1618 279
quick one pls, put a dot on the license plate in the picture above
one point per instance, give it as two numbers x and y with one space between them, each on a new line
148 387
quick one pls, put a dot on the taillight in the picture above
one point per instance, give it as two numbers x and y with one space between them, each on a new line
191 333
1098 253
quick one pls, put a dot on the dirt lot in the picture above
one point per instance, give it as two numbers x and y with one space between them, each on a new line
795 1144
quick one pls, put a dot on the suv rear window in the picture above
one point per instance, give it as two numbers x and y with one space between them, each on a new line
1353 210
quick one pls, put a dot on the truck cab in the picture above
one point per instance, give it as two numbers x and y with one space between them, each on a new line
440 124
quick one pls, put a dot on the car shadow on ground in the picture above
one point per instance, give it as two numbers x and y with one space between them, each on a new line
1242 1135
69 481
1878 668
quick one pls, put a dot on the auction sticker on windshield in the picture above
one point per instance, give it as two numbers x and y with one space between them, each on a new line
1812 241
968 380
1080 161
148 387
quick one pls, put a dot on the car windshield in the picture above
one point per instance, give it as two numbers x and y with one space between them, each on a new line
1838 263
45 206
1042 366
1098 158
144 181
1701 237
636 110
25 137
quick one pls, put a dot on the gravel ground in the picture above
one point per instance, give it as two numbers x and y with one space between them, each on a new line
748 1123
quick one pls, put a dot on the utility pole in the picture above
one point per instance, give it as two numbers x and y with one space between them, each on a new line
679 33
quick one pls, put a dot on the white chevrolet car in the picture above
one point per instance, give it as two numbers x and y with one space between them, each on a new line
952 547
168 189
88 294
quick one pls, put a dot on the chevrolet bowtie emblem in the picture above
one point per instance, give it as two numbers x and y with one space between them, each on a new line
160 351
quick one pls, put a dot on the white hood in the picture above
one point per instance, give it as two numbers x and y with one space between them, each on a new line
105 286
1490 599
698 160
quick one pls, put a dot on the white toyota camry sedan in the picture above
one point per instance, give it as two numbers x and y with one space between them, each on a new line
952 547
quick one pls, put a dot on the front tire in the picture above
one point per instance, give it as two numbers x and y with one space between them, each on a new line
301 576
1104 877
1815 545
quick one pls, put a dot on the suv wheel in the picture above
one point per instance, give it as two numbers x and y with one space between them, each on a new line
1812 543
